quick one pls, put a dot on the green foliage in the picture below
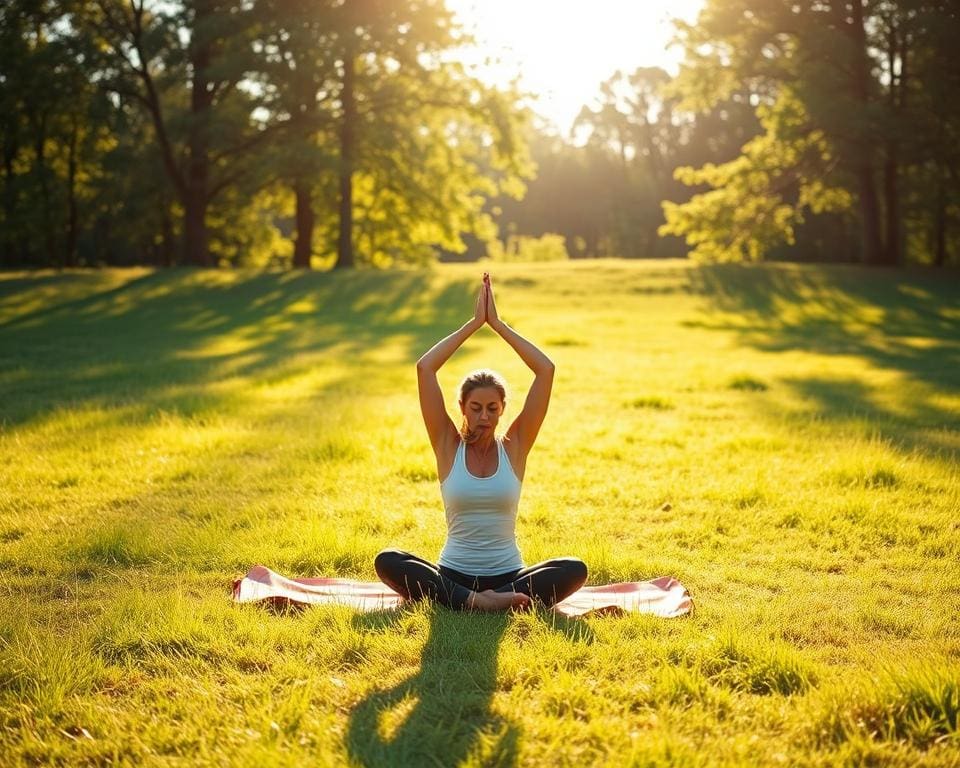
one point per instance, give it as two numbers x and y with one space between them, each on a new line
757 200
860 73
183 132
604 197
548 247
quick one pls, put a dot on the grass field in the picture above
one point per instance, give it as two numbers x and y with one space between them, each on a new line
783 439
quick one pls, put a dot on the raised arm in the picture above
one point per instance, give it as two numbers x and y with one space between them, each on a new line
442 431
526 426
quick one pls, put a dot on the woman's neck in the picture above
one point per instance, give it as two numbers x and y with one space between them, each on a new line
483 444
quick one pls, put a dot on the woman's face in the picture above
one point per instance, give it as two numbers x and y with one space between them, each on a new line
482 410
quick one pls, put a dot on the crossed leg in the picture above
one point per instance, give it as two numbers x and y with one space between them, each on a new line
415 578
549 582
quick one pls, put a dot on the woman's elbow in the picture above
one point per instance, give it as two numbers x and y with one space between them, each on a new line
423 366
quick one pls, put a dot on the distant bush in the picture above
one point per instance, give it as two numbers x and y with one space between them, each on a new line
548 247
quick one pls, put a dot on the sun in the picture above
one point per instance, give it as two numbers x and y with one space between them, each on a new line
562 50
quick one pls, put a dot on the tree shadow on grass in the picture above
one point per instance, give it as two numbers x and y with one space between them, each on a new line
159 340
904 321
134 352
895 320
441 715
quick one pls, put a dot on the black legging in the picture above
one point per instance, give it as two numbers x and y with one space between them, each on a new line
415 578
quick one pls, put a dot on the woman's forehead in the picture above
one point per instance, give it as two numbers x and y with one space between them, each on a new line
484 395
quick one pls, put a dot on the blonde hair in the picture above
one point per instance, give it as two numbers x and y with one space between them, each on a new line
481 378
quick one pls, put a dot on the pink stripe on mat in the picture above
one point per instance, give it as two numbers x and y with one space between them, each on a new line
665 597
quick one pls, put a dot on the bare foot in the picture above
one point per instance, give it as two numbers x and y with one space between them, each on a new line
488 600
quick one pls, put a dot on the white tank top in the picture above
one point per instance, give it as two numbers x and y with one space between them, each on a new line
481 518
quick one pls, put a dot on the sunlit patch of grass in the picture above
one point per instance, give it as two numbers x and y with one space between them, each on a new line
686 687
867 477
564 695
886 621
392 719
418 473
155 446
43 672
873 469
789 520
336 449
749 498
326 551
117 545
919 704
734 661
12 534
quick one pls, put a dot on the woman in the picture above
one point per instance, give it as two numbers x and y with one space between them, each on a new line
480 566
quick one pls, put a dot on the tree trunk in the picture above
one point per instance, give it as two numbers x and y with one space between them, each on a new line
347 149
891 194
197 196
896 53
195 230
940 223
70 247
166 245
303 248
653 240
871 245
40 150
7 239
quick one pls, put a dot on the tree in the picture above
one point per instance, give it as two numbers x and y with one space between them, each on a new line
851 64
54 133
758 198
183 62
605 197
296 46
427 143
376 118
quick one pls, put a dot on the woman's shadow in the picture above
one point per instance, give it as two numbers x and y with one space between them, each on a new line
442 714
438 715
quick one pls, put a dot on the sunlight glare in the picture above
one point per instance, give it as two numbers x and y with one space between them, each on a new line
562 50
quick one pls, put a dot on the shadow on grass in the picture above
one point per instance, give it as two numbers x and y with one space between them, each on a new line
897 320
159 340
132 347
442 714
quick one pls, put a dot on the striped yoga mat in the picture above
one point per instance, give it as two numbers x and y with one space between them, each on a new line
665 597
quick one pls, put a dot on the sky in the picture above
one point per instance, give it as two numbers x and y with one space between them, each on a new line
563 49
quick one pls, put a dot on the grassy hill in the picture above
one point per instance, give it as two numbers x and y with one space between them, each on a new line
783 439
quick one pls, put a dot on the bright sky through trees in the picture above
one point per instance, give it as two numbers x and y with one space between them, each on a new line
563 49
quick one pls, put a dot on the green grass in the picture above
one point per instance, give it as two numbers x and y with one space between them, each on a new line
784 439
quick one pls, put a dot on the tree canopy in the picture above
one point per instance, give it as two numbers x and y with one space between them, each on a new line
219 132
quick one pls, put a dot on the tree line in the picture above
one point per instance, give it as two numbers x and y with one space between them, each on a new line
182 131
343 132
817 130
